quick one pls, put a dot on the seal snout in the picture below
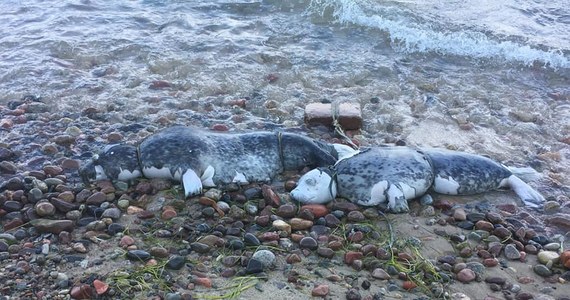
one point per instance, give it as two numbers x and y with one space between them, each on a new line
316 186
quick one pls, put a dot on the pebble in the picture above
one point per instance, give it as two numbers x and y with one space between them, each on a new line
548 257
300 224
459 214
96 199
466 275
320 290
325 252
251 240
379 273
138 255
308 243
355 216
176 262
266 257
286 211
318 210
283 226
511 252
542 270
552 246
52 226
254 266
45 209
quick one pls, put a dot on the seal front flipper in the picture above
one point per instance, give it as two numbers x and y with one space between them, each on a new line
192 183
396 199
207 177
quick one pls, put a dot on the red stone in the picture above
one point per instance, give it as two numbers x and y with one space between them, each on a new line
82 291
565 259
220 127
269 195
490 262
318 210
168 214
320 290
100 286
13 224
408 285
203 281
351 256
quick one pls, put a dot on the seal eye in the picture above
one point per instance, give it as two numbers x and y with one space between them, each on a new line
311 181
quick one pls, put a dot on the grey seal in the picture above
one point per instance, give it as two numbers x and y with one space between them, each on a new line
200 158
397 174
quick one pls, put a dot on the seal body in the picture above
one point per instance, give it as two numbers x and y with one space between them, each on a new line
200 158
459 173
397 174
376 175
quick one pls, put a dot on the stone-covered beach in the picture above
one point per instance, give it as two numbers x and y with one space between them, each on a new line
77 76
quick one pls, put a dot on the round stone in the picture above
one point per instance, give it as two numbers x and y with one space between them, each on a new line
466 275
545 257
542 270
176 262
45 209
511 252
251 240
308 243
266 257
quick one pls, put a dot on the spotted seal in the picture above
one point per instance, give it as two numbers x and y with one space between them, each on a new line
200 158
397 174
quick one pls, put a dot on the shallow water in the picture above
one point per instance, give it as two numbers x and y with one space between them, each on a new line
491 79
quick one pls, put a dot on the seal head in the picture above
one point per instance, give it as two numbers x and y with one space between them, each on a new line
116 162
317 186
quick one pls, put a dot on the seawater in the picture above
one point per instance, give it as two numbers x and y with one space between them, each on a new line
490 77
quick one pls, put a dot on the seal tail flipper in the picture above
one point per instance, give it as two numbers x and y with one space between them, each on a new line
192 183
525 173
529 196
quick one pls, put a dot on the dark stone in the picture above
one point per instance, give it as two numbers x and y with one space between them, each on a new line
286 211
200 248
541 239
332 221
84 221
496 280
353 294
325 252
308 243
11 206
254 266
365 284
203 227
13 184
176 262
62 206
235 244
52 226
251 240
138 255
115 228
252 193
468 225
475 216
